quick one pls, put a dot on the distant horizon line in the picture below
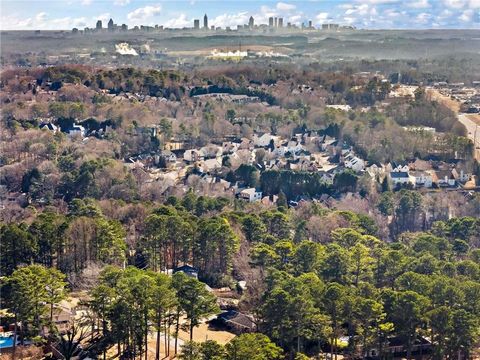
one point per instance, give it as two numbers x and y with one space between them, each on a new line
234 29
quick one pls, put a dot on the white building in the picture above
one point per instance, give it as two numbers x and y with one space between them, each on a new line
76 130
399 178
264 139
49 126
355 163
421 178
192 155
250 195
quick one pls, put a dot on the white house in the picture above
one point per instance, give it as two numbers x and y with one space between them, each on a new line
169 156
279 151
374 170
294 147
421 178
210 164
49 126
445 178
264 140
250 195
211 151
399 178
192 155
229 147
461 176
355 163
76 130
394 167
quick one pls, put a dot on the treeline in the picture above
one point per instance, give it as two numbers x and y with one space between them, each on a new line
355 285
216 89
422 112
326 273
168 84
125 308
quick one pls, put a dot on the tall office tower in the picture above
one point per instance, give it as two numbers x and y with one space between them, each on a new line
110 25
280 22
276 22
310 24
270 22
205 22
196 24
124 27
251 22
99 25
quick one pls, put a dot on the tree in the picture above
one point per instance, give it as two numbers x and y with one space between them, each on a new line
18 247
55 286
194 299
253 346
335 265
230 115
163 303
408 313
334 299
32 287
253 228
307 257
282 200
208 350
345 181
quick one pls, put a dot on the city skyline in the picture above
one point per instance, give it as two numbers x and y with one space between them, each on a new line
370 14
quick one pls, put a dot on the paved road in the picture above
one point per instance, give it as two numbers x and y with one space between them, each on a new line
473 132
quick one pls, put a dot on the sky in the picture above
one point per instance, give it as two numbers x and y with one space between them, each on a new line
364 14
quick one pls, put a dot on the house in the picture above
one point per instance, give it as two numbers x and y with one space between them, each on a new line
229 147
269 200
210 165
396 347
294 147
169 156
76 130
62 317
250 195
192 155
264 140
187 270
375 170
396 167
211 151
444 178
399 178
353 162
421 178
461 176
339 107
237 322
49 126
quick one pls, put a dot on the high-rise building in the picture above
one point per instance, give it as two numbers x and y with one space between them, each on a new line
196 24
99 25
276 22
205 22
280 22
270 22
124 27
310 24
110 25
251 22
330 26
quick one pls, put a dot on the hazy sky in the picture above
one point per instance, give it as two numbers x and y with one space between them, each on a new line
372 14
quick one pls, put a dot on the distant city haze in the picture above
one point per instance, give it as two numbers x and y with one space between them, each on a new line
370 14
